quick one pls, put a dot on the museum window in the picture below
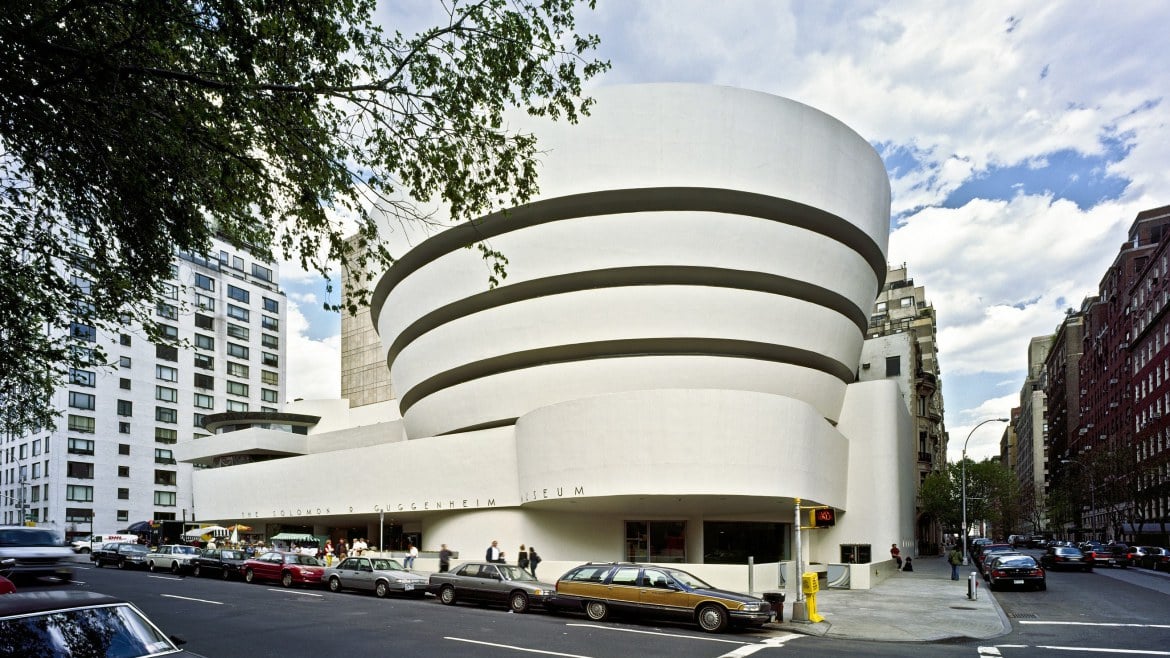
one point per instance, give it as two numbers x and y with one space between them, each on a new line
656 541
856 553
893 366
733 542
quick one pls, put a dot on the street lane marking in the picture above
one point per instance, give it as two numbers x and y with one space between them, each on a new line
1094 623
187 598
1142 652
770 643
166 577
994 651
293 591
633 630
516 648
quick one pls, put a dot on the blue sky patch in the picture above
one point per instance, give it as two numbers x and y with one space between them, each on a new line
1065 174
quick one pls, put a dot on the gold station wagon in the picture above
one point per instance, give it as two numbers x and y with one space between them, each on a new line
600 589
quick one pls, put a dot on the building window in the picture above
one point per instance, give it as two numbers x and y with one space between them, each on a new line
80 447
164 435
124 383
123 362
80 493
123 471
82 331
204 401
269 359
79 470
205 362
78 515
82 400
238 294
123 493
166 352
166 373
82 378
204 342
236 331
238 313
206 382
205 282
171 332
269 341
166 415
893 366
170 291
906 302
237 388
268 395
261 272
197 421
168 311
124 340
123 515
233 405
83 285
123 427
125 408
271 324
237 369
163 456
237 263
81 424
166 394
166 478
271 305
164 499
204 322
123 448
204 302
238 351
656 541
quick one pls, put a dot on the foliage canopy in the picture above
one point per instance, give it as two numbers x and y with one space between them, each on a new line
130 129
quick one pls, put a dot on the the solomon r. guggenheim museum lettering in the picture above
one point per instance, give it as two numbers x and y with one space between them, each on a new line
464 503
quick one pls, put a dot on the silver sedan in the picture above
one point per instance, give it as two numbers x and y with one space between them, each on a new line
381 575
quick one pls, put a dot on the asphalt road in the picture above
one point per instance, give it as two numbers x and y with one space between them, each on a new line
1108 612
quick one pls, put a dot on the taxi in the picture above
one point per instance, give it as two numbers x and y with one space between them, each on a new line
652 591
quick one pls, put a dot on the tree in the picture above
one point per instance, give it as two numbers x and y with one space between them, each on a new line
991 495
130 129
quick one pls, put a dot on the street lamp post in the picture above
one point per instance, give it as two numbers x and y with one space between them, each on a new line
1092 495
964 464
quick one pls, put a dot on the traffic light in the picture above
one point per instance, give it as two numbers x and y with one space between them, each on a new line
824 517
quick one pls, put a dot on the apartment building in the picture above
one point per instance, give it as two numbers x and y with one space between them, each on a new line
109 462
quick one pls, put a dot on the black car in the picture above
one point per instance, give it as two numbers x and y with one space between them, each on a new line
1108 555
222 562
1015 571
121 554
1065 557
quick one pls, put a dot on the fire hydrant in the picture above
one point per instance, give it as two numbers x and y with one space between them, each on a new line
810 586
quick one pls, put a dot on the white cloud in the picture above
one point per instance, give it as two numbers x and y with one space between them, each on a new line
314 366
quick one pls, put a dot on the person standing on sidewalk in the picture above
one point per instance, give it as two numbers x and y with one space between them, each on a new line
955 558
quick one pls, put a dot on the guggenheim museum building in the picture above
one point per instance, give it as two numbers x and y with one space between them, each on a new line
670 364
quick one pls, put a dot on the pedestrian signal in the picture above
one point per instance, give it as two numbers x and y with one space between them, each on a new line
824 517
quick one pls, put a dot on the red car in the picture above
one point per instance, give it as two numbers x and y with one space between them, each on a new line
6 586
288 568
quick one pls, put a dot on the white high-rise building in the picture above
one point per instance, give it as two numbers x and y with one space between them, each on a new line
109 462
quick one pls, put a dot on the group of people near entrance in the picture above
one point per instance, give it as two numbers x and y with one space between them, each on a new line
341 550
527 560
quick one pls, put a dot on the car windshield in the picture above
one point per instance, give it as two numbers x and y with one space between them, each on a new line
231 555
1068 551
304 560
115 630
190 550
133 548
1015 561
515 573
688 579
387 565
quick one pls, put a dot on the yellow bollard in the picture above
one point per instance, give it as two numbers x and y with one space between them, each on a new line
810 586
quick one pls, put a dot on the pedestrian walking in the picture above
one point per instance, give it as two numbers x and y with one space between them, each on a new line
533 560
955 558
411 554
444 558
493 553
522 558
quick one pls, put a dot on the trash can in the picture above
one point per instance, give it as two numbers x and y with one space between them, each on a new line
777 600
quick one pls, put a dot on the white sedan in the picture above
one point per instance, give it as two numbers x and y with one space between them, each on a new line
175 558
380 575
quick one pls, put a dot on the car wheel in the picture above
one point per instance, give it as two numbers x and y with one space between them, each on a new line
249 576
596 610
713 618
97 564
175 568
335 584
84 551
149 566
518 602
286 579
1042 586
225 573
381 589
122 563
197 571
447 595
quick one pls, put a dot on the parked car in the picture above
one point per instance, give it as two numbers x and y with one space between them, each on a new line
378 575
1108 555
122 554
6 586
1065 557
175 558
286 568
487 582
1015 571
1136 553
656 592
989 549
224 562
1156 558
36 552
79 623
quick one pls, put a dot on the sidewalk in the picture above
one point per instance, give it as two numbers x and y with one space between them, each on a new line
924 605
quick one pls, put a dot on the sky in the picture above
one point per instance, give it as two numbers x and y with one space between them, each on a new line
1021 140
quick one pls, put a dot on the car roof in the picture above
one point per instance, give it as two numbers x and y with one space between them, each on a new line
22 603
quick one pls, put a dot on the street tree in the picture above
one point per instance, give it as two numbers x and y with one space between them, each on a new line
130 130
991 493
